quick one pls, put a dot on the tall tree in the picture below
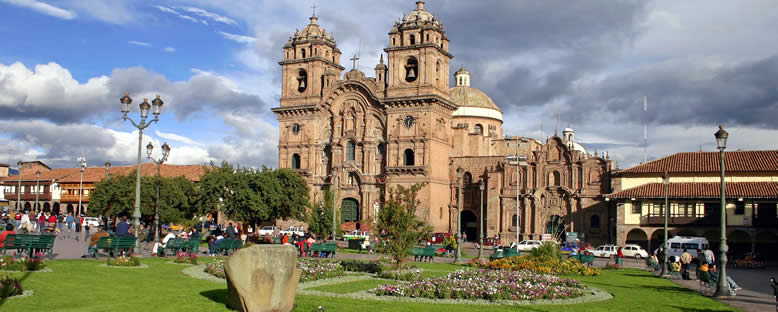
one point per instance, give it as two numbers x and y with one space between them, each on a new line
320 216
399 222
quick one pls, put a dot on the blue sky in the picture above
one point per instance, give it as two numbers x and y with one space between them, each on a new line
64 64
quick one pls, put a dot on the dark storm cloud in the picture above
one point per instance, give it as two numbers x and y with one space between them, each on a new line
689 92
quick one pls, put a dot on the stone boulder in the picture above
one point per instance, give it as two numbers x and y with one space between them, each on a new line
262 278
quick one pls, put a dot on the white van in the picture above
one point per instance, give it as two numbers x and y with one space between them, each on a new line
694 245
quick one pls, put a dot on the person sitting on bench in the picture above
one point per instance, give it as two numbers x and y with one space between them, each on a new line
9 229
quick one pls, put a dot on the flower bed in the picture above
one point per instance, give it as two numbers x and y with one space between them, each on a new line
487 285
187 258
216 268
543 265
123 261
312 270
362 266
10 286
9 263
404 275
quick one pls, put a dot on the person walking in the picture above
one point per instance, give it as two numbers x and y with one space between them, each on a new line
69 221
686 258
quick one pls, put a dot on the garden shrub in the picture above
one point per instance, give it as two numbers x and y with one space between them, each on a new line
9 263
216 268
488 285
10 286
123 261
547 249
362 266
183 257
543 265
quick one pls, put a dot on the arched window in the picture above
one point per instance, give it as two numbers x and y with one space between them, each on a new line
413 39
410 158
467 179
428 37
303 52
515 221
350 150
479 129
595 222
296 161
437 69
441 212
302 80
394 41
411 69
554 178
349 210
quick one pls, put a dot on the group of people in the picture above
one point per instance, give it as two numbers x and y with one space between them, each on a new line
30 222
705 262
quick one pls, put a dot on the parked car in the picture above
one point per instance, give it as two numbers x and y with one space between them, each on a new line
568 248
635 251
491 241
528 245
91 221
438 238
356 234
267 231
292 230
605 251
694 245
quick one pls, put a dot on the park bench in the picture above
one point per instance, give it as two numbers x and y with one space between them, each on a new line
423 253
504 253
173 244
113 245
29 243
324 249
584 259
192 244
228 246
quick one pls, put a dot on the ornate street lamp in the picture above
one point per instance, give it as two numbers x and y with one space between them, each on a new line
722 288
144 112
481 225
520 161
458 235
158 162
82 166
19 190
107 169
37 186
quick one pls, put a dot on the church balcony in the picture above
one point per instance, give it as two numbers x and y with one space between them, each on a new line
406 170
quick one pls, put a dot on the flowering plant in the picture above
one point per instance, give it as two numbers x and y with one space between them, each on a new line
23 263
184 257
311 270
10 286
216 268
543 265
123 261
488 285
404 275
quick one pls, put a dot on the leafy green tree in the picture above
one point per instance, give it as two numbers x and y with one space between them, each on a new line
399 222
116 196
320 216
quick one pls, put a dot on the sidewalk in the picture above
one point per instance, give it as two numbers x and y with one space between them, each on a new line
746 300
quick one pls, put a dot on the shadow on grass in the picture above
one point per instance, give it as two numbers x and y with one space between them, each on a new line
21 281
685 309
216 295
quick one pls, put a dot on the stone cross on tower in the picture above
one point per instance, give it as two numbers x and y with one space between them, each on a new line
354 60
314 9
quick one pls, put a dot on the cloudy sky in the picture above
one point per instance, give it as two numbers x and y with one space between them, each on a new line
64 64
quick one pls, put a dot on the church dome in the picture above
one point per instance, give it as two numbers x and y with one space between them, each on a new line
313 31
471 101
420 15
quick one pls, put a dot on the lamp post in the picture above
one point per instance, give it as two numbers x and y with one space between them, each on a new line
666 182
144 113
107 169
19 190
158 162
82 166
722 288
37 186
481 225
519 161
334 200
457 235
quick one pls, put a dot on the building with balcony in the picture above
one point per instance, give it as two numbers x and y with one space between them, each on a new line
694 190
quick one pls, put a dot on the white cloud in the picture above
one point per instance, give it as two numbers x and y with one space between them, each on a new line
170 49
139 43
175 137
209 15
43 7
176 13
238 38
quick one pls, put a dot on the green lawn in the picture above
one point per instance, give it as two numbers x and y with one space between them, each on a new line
81 285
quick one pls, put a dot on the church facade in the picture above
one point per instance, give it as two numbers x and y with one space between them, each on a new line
363 135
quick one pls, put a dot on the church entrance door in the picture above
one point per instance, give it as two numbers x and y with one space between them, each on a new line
470 225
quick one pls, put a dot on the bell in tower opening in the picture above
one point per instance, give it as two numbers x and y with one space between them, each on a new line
302 76
410 69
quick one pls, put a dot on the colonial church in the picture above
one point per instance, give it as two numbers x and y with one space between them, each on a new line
363 135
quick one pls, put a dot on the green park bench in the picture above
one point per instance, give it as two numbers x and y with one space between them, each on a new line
328 248
422 253
173 245
192 244
584 259
113 245
29 244
504 253
228 246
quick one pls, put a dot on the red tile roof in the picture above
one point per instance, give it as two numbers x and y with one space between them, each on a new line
695 162
701 190
95 174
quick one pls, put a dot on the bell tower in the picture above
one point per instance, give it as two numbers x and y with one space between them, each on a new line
418 56
310 65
